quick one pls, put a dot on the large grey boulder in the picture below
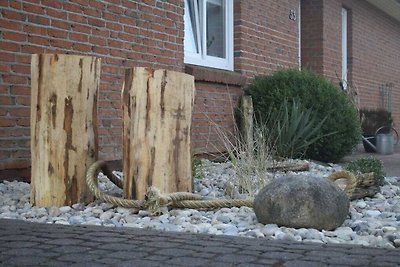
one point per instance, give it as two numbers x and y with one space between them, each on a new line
302 202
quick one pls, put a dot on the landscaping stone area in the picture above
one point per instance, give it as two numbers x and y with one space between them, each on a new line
371 222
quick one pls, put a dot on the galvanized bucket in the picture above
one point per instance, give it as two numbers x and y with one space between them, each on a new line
384 144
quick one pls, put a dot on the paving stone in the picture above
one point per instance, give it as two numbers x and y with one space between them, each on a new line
23 251
161 258
327 254
271 262
389 258
56 262
187 261
251 252
161 244
126 255
299 263
346 260
119 246
15 237
250 265
16 244
98 251
384 264
71 249
65 241
282 255
110 239
141 263
78 257
59 245
85 264
28 260
174 252
235 258
221 250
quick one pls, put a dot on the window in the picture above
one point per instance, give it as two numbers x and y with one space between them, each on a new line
209 33
344 49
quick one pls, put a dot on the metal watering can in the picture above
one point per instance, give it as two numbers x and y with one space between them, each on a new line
385 140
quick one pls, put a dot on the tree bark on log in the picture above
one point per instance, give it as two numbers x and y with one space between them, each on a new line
63 127
157 115
246 121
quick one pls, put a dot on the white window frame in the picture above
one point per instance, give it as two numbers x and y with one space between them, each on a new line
201 58
344 49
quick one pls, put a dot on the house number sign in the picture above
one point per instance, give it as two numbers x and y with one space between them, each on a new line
292 15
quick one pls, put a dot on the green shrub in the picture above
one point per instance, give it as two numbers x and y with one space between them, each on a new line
317 94
292 129
366 165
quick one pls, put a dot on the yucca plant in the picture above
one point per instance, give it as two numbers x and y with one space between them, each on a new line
293 129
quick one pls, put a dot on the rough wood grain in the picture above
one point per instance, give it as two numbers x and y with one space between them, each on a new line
63 127
157 115
246 120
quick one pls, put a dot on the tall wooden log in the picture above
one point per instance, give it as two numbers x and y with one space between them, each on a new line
157 114
63 127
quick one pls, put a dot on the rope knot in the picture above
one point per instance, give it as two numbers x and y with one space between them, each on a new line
154 200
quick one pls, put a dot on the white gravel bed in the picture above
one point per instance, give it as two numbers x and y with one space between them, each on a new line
371 221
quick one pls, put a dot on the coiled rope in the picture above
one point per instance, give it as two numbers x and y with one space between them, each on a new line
351 180
154 199
91 181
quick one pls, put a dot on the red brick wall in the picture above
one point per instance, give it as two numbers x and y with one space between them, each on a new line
123 33
217 95
376 55
311 35
373 48
265 37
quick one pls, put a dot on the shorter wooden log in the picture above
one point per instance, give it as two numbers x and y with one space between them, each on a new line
365 192
157 115
356 186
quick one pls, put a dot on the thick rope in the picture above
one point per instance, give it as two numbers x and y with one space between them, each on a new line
351 181
155 200
91 180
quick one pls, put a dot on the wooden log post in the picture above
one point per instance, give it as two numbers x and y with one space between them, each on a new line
157 115
63 127
246 121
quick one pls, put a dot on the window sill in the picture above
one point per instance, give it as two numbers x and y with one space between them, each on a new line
215 75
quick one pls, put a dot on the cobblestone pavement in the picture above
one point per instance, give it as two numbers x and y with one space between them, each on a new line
31 244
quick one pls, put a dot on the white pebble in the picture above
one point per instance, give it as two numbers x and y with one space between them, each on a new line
65 209
372 213
361 204
106 215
